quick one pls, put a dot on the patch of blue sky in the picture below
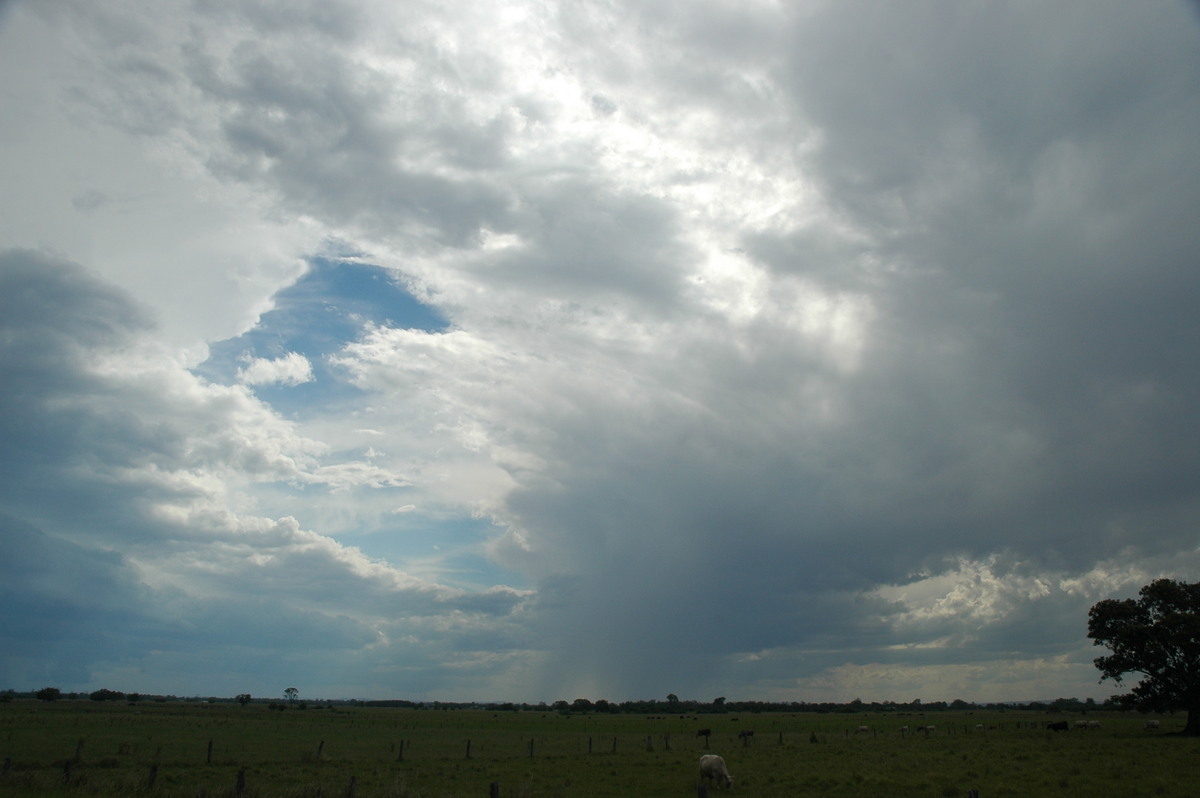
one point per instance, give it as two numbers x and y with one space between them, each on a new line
447 550
330 306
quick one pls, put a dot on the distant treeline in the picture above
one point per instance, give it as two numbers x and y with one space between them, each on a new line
671 706
684 707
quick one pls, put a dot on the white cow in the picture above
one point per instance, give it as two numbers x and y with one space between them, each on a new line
712 767
1152 724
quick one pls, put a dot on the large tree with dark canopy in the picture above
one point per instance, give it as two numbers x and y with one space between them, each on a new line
1158 636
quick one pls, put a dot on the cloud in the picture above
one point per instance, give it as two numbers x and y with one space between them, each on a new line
68 599
132 468
857 335
291 369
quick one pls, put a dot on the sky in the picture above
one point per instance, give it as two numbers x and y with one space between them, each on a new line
535 350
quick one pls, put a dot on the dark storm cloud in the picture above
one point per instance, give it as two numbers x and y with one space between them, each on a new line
1029 213
51 307
66 606
55 319
1017 185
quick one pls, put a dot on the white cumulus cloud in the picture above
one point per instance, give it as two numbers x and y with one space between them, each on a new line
291 369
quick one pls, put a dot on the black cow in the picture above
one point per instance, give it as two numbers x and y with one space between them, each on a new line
1061 725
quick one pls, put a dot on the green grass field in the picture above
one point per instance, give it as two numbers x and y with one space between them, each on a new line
76 748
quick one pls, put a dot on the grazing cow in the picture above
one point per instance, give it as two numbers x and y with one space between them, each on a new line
904 729
712 767
1059 726
1081 724
704 732
1093 724
746 736
1151 725
862 730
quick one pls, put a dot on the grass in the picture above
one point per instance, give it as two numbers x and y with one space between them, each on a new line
78 748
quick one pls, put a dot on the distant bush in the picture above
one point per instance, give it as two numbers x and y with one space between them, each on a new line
104 694
49 694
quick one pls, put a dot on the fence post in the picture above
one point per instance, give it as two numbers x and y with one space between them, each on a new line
350 788
241 782
400 756
468 749
702 791
494 790
614 745
320 748
153 777
208 759
531 748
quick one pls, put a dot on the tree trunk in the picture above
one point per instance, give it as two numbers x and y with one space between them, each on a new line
1193 723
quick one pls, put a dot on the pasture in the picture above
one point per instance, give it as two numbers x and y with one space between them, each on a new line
80 748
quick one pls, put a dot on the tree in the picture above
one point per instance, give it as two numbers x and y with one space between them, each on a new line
49 694
1158 636
243 698
291 694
